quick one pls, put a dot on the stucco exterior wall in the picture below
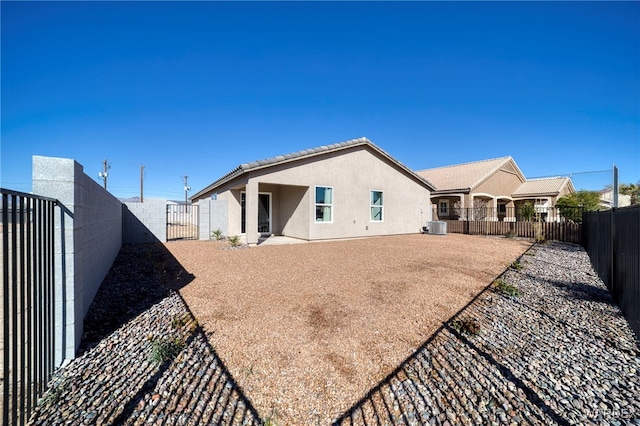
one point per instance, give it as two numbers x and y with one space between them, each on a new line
501 184
563 191
352 173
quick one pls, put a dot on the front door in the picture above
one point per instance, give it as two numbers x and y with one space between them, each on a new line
264 212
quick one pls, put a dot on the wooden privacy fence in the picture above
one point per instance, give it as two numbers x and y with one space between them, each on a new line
560 231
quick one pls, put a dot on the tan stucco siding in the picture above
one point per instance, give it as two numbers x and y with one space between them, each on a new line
352 173
502 183
563 191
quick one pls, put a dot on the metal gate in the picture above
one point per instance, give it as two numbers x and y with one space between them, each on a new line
182 222
27 340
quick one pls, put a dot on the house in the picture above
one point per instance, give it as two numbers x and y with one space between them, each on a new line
606 199
496 186
348 189
543 194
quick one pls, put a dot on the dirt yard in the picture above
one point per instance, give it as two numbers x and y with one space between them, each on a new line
307 329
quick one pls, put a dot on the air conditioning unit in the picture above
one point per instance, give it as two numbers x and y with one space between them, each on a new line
437 227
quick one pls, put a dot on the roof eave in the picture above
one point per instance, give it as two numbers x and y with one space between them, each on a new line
535 194
238 171
451 191
306 154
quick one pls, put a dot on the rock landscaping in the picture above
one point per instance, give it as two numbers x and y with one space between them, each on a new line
557 351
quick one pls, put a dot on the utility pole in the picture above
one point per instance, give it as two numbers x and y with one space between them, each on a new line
141 183
104 174
187 188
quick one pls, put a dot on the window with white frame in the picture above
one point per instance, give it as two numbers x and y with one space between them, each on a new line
377 206
443 209
324 204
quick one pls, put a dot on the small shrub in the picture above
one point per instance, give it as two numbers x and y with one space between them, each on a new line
510 234
516 265
271 419
180 321
527 211
54 394
540 239
163 350
505 288
234 241
469 326
217 234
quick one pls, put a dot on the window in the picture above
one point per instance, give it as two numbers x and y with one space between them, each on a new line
324 204
376 206
443 209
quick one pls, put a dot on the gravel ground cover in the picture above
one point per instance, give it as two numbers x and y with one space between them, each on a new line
558 353
307 329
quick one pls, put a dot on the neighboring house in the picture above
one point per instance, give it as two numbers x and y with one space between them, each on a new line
606 199
496 183
543 194
344 190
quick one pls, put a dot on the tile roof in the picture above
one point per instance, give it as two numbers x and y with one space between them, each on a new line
546 186
306 153
464 177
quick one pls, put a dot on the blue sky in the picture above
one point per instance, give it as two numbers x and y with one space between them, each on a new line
198 88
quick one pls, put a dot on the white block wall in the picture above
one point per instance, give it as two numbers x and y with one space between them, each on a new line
213 215
91 230
145 222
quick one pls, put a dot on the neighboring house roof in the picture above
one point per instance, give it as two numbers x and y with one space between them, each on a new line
465 177
540 187
606 198
308 153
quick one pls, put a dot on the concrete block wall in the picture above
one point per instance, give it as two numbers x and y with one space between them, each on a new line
145 222
213 215
90 226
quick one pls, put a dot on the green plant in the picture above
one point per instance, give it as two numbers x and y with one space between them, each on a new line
466 326
217 234
179 321
55 392
527 211
516 265
271 419
505 288
234 241
572 205
510 234
540 239
166 349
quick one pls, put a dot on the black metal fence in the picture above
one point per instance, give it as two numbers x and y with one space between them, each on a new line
28 274
612 240
548 223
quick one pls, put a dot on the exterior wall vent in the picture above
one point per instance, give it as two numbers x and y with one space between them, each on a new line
437 227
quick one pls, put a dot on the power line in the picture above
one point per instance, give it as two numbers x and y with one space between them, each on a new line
571 174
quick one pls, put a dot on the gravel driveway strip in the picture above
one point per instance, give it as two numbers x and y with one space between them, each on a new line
363 331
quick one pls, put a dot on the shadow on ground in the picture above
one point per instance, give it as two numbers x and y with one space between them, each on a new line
144 358
546 357
451 380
